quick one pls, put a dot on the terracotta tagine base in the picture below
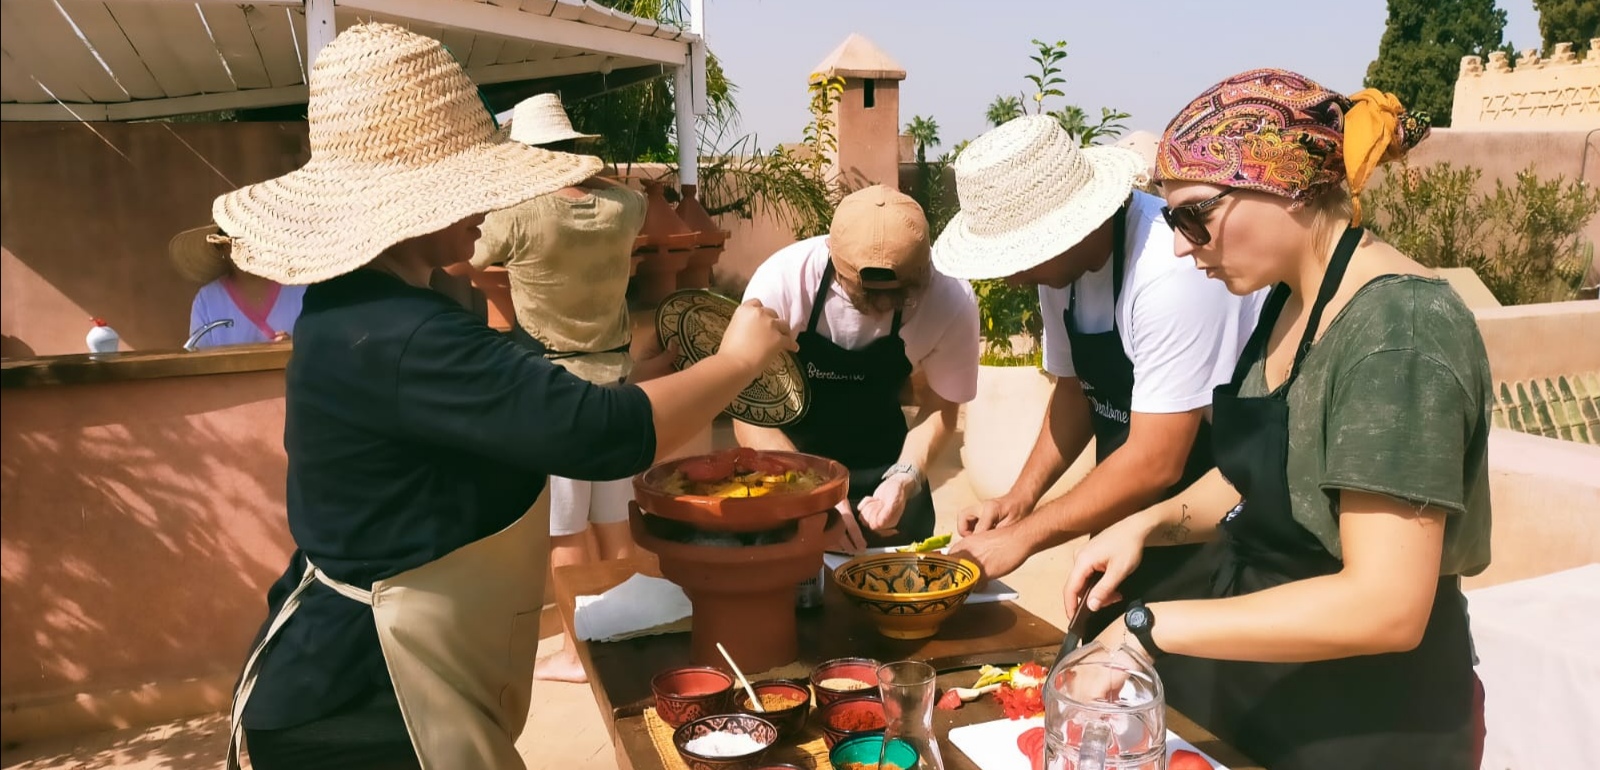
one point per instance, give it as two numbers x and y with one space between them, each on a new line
739 560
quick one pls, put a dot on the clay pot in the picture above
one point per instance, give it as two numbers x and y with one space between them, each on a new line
708 247
668 242
742 514
743 596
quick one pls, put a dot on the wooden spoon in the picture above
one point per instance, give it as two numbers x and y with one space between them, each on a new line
743 682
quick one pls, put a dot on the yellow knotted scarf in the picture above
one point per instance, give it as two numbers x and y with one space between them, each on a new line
1371 133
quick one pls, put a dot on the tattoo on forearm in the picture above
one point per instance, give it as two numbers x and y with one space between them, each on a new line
1178 533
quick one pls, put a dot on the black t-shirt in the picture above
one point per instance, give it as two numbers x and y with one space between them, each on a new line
412 429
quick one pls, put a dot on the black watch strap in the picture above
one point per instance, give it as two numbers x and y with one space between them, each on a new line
1140 622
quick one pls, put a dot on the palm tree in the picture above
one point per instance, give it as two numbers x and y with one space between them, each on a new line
924 132
1003 109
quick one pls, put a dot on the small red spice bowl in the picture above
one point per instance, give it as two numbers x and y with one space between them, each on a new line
686 694
846 718
863 670
789 721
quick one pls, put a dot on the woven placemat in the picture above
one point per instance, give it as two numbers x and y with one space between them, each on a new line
805 750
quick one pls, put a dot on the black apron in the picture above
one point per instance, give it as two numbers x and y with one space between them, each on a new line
855 416
1106 373
1400 710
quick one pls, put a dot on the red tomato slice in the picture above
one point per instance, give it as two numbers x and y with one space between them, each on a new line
767 465
949 701
746 459
1183 759
1031 744
706 470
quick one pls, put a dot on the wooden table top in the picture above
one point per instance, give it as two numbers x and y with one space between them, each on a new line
999 633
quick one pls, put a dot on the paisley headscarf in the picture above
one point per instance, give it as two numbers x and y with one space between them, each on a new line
1277 132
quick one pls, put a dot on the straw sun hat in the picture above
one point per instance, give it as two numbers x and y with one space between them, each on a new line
540 120
198 255
401 146
1029 192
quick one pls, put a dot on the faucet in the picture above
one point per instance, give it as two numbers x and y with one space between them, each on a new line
194 339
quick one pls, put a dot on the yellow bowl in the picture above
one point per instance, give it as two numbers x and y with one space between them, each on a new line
907 595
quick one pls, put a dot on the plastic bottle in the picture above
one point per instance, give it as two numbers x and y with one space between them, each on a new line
102 338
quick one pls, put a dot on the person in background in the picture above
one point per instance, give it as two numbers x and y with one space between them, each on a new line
870 311
1135 338
403 629
569 257
262 310
1324 624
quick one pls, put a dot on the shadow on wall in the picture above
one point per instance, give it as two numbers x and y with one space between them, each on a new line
142 523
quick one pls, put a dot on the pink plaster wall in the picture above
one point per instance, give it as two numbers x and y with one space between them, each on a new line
143 522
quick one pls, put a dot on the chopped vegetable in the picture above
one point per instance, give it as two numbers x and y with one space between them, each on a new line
949 701
927 546
1031 744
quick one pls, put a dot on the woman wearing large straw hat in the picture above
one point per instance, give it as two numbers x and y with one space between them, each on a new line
1136 338
569 255
1329 629
403 632
260 309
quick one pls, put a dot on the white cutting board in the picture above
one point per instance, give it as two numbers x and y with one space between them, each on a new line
993 745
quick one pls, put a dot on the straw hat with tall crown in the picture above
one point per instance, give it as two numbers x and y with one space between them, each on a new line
200 254
541 120
401 146
1028 192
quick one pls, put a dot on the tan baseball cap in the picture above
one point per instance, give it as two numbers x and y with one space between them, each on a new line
879 238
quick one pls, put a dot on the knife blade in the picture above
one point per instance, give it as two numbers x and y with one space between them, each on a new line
1080 620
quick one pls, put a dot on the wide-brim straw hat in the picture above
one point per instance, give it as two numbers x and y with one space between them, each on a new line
198 253
401 146
540 120
1029 192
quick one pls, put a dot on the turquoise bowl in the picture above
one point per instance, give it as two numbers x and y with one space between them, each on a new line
866 748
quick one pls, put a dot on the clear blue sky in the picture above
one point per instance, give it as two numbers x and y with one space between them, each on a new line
1144 57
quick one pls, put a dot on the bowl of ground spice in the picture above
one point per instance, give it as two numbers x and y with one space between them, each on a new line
851 717
786 704
845 678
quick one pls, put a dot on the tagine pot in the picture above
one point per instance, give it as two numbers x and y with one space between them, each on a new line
708 246
743 595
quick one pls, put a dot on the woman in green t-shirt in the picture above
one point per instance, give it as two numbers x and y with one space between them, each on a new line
1332 631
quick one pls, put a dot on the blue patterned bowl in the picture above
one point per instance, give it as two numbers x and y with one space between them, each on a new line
907 595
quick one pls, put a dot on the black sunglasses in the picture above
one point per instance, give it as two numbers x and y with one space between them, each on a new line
1190 218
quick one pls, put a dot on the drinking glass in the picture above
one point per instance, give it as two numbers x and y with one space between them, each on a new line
908 690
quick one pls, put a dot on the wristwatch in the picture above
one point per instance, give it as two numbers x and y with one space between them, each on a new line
1140 621
910 470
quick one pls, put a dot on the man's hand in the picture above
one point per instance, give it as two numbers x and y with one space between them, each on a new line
851 541
882 511
999 552
995 513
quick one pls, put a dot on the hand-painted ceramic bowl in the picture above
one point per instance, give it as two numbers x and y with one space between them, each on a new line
762 731
862 670
907 595
789 721
841 719
867 749
686 694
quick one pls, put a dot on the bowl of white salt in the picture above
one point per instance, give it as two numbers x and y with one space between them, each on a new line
724 742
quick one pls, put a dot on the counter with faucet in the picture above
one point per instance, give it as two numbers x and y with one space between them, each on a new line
84 368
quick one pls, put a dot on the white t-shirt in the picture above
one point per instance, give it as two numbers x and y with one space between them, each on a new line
940 330
1182 331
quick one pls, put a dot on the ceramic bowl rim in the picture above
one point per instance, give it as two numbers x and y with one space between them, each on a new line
739 696
816 682
655 687
824 712
872 737
926 596
679 739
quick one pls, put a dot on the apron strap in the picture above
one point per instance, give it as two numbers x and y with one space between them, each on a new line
1119 248
257 315
820 296
247 680
1280 296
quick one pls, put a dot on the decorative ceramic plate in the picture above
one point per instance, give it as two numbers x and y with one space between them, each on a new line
696 319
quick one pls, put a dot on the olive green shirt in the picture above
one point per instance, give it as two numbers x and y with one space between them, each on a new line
1394 400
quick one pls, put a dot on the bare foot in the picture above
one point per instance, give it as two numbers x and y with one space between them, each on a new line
560 666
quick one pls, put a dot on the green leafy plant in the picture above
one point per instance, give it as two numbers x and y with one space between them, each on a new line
1006 312
1524 239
